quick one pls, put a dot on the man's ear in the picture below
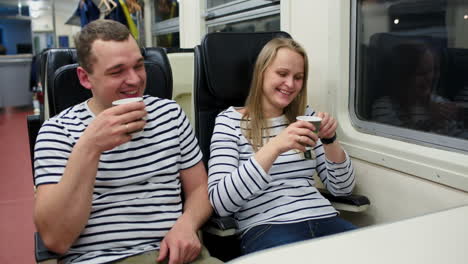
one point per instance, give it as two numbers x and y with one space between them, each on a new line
83 76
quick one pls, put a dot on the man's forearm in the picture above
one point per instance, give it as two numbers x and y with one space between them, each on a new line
62 210
197 207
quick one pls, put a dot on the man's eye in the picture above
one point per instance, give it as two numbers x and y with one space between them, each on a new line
115 72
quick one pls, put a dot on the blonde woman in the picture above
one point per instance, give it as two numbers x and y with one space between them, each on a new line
258 172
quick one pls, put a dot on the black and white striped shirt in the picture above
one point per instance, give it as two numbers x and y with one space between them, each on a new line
137 193
239 186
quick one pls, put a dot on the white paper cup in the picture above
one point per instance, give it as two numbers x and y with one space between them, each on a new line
315 120
127 100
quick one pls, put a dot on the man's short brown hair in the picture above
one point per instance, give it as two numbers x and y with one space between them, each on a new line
103 29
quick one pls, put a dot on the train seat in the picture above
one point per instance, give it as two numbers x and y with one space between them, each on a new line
224 65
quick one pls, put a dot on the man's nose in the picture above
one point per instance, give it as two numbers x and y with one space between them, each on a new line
132 77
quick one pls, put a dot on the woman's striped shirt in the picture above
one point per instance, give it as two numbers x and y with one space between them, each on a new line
137 193
239 186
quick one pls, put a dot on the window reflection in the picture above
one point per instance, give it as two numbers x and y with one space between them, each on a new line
413 65
166 9
268 23
409 100
170 40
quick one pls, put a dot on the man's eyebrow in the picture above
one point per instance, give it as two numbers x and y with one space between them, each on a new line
140 60
115 67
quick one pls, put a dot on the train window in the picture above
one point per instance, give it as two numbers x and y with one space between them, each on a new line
408 70
169 40
268 23
242 15
166 23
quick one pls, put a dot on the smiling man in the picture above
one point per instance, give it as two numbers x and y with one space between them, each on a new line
104 195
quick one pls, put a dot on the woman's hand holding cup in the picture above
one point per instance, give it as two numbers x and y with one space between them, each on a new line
328 126
296 136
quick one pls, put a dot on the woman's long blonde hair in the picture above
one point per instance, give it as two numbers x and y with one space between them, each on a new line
253 121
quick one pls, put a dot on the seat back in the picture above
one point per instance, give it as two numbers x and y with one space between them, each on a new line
224 64
65 89
51 60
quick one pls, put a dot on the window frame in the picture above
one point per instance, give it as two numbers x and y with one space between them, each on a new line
238 11
235 7
166 26
369 127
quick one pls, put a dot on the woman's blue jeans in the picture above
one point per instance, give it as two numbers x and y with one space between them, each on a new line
268 236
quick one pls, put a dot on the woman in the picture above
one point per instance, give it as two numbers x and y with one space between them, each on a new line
257 170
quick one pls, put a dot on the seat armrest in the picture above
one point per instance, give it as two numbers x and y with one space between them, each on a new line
226 226
41 252
220 226
350 203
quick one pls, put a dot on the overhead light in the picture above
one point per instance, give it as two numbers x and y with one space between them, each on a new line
19 8
465 17
396 21
33 6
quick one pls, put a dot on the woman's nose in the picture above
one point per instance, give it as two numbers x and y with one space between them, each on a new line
289 81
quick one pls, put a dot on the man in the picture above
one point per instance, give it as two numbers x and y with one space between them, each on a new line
105 194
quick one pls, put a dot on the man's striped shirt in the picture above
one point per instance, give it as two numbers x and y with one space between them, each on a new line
137 193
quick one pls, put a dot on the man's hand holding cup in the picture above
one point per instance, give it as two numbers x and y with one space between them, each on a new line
136 121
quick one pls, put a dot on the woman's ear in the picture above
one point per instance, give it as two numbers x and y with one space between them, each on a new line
83 76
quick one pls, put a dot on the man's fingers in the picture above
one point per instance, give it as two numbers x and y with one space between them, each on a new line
134 126
162 251
195 252
174 255
132 116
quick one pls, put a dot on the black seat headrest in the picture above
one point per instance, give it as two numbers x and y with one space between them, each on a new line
56 58
229 59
